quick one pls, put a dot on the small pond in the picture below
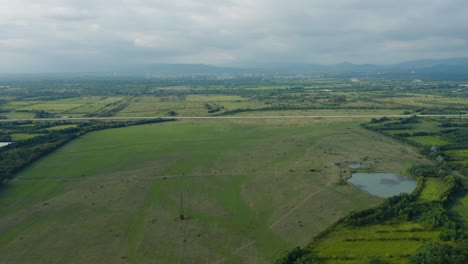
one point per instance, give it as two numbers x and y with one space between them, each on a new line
2 144
383 184
357 165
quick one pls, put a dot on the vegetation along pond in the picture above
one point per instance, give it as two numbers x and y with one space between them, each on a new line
383 184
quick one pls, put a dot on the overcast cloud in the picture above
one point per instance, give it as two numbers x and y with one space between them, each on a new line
52 35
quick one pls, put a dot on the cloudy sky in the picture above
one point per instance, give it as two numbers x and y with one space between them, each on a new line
67 35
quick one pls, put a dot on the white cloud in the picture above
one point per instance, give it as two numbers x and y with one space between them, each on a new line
16 43
236 32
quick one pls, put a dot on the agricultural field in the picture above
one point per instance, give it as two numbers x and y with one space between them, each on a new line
389 242
429 140
249 189
365 237
260 186
240 97
433 189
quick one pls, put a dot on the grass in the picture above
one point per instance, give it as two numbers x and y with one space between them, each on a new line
92 104
191 105
18 115
60 127
248 189
459 154
20 136
429 140
214 98
324 112
52 107
433 189
390 242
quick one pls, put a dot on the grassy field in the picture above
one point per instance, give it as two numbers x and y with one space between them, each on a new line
60 127
429 140
251 189
433 189
459 154
392 243
19 136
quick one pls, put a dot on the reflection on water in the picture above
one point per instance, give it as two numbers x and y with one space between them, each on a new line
2 144
357 165
383 184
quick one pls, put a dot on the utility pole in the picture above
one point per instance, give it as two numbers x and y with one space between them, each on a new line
181 206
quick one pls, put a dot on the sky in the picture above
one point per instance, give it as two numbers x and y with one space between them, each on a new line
88 35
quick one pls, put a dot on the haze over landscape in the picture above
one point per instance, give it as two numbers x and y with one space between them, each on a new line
234 131
72 35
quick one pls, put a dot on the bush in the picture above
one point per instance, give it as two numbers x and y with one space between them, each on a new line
439 254
297 256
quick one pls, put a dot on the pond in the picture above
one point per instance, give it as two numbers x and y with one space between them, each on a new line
357 165
383 184
3 144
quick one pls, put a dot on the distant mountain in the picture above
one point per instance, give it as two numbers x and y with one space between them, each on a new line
433 63
344 67
456 67
184 69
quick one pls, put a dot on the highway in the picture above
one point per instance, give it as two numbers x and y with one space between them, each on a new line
136 118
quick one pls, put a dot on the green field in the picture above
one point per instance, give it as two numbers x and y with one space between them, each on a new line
459 154
429 140
251 189
389 242
20 136
60 127
433 189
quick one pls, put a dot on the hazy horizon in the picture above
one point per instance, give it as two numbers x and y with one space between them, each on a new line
71 35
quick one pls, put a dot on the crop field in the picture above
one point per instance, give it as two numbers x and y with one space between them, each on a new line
248 189
92 104
191 105
21 136
389 242
18 115
423 100
433 189
298 96
458 155
429 140
59 127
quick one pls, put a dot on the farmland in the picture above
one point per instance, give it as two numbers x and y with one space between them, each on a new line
249 189
237 96
358 238
391 242
126 198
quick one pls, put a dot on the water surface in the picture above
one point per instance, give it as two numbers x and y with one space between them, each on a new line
2 144
383 184
357 165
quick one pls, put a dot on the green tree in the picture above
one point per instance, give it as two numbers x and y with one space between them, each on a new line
439 254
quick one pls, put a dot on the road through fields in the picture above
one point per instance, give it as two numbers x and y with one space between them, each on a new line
135 118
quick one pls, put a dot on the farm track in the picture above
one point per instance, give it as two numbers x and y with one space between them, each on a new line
150 178
295 208
214 117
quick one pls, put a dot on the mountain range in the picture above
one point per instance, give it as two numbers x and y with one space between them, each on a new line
456 66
